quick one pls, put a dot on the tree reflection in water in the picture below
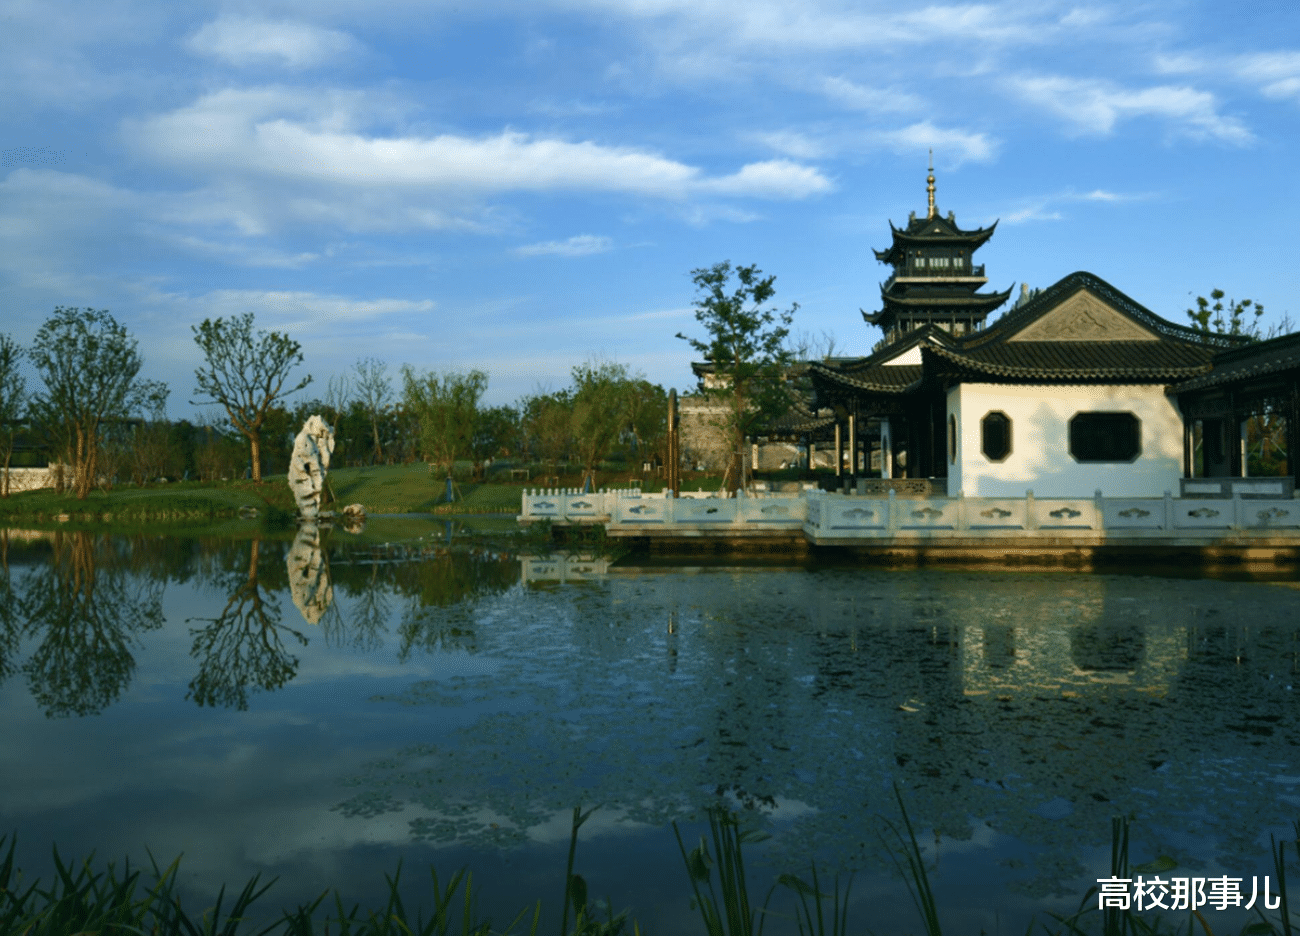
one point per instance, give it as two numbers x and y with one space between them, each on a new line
243 646
88 619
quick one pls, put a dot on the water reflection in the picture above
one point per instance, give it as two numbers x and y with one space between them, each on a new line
309 573
243 647
804 694
495 694
84 619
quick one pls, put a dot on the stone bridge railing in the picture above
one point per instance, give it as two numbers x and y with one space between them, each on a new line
827 515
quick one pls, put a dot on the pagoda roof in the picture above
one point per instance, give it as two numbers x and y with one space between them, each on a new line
932 231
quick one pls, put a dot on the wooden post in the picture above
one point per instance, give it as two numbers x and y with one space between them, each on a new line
839 449
674 479
853 445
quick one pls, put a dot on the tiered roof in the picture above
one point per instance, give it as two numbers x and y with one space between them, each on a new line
934 279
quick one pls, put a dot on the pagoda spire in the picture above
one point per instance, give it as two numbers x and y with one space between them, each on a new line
929 188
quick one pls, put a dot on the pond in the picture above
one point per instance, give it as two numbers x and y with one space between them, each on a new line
317 715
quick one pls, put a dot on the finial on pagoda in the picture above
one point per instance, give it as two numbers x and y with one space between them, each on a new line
929 187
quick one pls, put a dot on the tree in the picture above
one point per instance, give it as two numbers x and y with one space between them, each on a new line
13 400
546 420
648 419
245 375
600 411
1208 318
374 390
446 407
1266 431
496 432
88 363
746 348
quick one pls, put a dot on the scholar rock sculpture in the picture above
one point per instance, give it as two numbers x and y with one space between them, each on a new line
307 467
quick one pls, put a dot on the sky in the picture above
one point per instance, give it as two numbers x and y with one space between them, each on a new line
522 187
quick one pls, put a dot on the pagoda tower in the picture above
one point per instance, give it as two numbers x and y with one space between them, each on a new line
934 281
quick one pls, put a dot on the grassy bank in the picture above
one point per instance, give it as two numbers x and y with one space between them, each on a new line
189 502
381 489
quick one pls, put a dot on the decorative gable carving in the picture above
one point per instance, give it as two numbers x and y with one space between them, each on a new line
1083 317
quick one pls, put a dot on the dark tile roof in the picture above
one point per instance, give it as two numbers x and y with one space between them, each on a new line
1051 297
1258 359
1144 361
872 378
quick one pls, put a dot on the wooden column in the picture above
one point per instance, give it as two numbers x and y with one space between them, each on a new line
853 445
1293 432
839 449
886 449
674 480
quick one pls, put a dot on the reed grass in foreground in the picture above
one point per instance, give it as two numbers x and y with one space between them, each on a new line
81 900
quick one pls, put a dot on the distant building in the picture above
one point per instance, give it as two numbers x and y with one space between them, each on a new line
1076 388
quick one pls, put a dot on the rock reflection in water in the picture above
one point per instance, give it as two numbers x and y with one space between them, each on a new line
309 575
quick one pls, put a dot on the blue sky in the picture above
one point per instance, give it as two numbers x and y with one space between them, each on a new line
522 186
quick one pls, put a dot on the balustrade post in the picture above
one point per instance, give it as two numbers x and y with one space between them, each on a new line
1169 511
891 516
1238 513
961 510
1031 518
1099 505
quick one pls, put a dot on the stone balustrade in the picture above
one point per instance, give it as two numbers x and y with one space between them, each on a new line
832 516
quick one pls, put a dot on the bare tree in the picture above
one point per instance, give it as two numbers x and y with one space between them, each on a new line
374 390
13 400
245 374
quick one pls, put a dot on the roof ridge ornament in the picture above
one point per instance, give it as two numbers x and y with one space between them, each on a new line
929 189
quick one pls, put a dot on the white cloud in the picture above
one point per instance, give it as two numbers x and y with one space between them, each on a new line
581 245
954 146
859 97
1095 107
1276 74
274 151
1041 208
791 143
776 178
246 41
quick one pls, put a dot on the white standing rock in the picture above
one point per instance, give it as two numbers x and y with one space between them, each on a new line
310 462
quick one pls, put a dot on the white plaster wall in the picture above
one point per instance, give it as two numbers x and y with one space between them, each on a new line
910 356
1040 453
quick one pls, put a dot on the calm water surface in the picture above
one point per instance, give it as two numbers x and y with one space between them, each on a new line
319 715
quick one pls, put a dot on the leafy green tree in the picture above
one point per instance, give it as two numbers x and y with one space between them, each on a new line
1209 316
648 419
13 402
245 374
89 365
746 346
496 433
546 423
446 407
601 392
